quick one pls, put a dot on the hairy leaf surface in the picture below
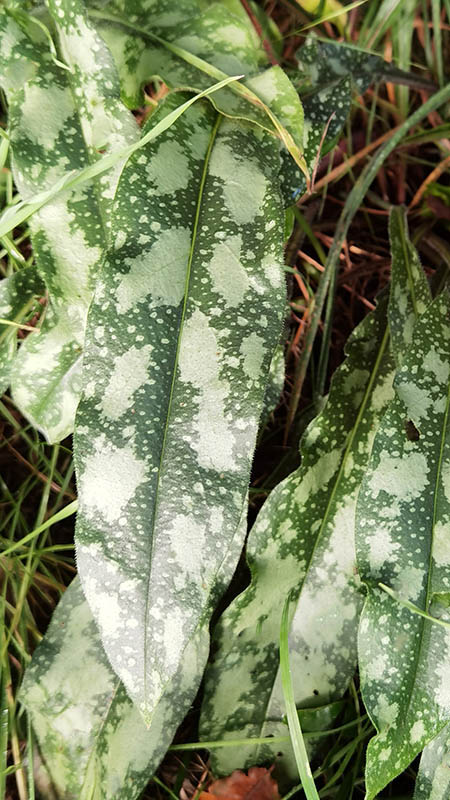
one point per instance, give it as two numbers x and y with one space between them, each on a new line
58 121
181 333
402 541
275 383
18 295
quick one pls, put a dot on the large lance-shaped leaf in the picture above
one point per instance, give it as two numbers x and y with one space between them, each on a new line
181 332
91 736
403 541
18 295
303 541
194 45
58 119
433 778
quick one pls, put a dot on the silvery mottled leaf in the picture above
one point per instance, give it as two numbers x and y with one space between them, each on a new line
402 539
58 122
91 736
18 294
181 333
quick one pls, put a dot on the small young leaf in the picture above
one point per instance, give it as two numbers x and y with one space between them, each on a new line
328 72
181 332
58 120
404 307
18 294
402 542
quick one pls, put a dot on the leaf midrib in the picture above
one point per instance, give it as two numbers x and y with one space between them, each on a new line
172 388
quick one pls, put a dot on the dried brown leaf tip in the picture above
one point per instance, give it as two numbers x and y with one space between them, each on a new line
257 785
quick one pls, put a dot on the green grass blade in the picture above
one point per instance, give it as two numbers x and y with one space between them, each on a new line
295 730
65 512
437 36
3 731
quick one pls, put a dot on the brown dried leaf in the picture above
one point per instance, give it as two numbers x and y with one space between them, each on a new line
257 785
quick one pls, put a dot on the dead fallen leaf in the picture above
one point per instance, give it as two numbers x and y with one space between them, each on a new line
257 785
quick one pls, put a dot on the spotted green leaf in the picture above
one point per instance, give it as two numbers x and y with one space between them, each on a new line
18 294
302 542
402 541
181 333
326 94
190 46
91 736
325 113
59 119
433 778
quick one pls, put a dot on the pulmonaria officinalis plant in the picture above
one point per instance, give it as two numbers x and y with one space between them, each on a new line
149 322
